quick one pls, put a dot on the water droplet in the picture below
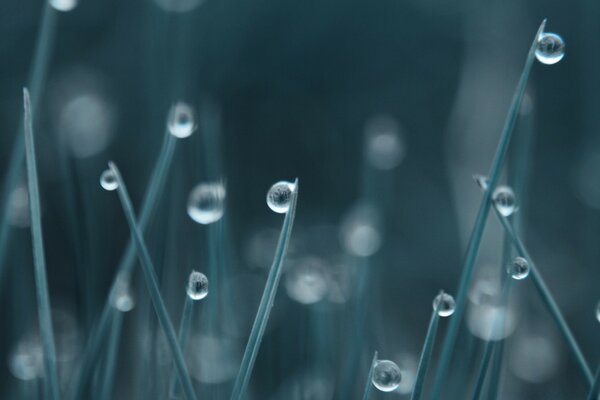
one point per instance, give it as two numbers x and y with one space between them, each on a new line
483 321
279 196
25 362
122 297
444 304
181 121
504 200
598 312
360 231
206 203
305 280
108 180
550 48
481 181
63 5
197 286
519 268
386 375
385 148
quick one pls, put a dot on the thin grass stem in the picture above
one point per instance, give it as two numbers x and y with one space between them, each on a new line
184 331
153 288
266 302
595 389
106 387
369 384
425 356
548 300
39 261
480 222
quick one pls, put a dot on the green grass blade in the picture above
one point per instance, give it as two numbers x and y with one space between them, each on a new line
125 267
479 227
153 288
593 395
548 300
425 356
39 261
184 330
266 302
368 384
41 61
106 387
496 372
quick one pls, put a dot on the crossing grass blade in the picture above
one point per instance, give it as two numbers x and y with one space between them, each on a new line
425 356
368 384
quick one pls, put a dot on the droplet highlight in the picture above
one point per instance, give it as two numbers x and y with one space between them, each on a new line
63 5
197 288
108 180
550 48
181 121
206 202
504 200
519 268
279 196
444 304
386 375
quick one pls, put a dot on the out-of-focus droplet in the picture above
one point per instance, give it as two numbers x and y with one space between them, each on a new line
212 359
279 196
534 358
408 365
482 321
444 304
550 48
360 231
519 268
306 280
206 203
178 6
18 207
25 362
386 375
63 5
481 181
181 121
108 180
504 200
123 298
385 148
197 287
598 311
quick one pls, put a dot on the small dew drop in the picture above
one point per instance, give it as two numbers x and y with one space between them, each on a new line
197 287
108 180
519 268
444 304
550 48
181 121
123 299
206 203
63 5
481 181
386 375
279 196
504 200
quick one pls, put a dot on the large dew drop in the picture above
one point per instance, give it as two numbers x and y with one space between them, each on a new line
206 203
108 180
181 121
519 268
63 5
444 304
504 200
550 48
386 375
197 286
279 196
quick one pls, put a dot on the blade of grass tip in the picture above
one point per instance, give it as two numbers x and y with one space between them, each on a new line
41 281
595 389
478 228
184 330
425 356
153 289
125 267
548 300
266 302
37 78
369 384
106 387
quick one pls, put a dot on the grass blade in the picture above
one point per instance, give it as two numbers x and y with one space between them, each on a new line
39 261
106 388
184 330
593 395
478 228
369 385
266 302
425 356
548 300
153 289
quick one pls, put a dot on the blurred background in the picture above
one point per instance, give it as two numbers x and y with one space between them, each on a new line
384 110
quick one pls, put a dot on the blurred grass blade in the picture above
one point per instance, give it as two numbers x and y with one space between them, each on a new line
425 356
593 395
41 281
496 372
153 288
548 300
478 228
125 267
106 388
266 302
184 330
41 59
368 384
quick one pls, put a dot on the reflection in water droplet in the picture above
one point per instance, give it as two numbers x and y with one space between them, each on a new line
279 196
444 304
519 268
197 288
181 121
206 202
504 200
108 180
550 48
386 375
